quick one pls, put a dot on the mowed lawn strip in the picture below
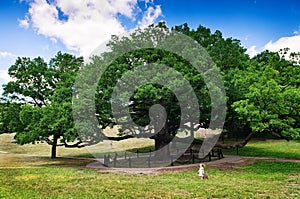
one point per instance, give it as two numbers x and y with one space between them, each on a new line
43 149
263 179
269 148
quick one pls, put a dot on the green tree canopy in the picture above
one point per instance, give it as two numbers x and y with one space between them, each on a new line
46 91
262 92
145 47
9 117
271 95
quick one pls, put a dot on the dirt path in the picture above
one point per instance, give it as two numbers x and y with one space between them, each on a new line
228 161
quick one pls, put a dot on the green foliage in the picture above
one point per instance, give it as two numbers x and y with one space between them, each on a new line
31 80
271 96
262 93
228 54
231 58
148 94
47 91
9 117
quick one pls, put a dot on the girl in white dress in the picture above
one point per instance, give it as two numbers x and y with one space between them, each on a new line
201 171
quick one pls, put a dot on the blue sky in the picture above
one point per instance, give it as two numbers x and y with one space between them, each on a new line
41 28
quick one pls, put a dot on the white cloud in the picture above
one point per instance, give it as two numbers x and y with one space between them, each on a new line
292 42
24 23
4 77
7 55
6 59
252 51
297 32
53 40
86 23
150 16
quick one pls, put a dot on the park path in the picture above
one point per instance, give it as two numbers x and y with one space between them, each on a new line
227 161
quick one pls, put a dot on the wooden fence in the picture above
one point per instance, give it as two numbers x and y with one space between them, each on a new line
132 160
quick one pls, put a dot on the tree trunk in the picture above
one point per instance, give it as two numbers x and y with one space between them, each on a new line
54 145
161 140
158 144
161 128
161 152
235 144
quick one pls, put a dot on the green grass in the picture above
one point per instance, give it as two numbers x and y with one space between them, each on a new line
43 149
41 177
23 161
266 148
260 180
269 148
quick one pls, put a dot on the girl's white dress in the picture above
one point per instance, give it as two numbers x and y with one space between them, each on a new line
201 171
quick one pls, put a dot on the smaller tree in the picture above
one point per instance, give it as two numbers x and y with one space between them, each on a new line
46 91
272 96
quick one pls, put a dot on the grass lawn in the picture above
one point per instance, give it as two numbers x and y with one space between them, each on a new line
43 149
269 148
25 176
261 180
266 148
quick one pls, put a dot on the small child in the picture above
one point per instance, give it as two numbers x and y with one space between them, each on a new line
201 172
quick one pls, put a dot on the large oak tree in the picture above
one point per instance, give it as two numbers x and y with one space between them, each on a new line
149 94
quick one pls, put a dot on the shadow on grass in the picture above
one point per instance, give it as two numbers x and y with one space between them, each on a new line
18 160
269 167
274 149
66 162
142 150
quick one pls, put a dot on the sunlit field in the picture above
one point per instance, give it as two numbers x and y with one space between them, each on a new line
43 177
260 180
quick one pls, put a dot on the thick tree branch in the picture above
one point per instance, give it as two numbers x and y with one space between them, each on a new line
276 134
48 141
76 145
235 144
120 138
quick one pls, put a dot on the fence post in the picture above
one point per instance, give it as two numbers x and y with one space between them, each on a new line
105 160
149 159
125 155
209 156
109 158
221 153
193 158
150 152
115 160
129 162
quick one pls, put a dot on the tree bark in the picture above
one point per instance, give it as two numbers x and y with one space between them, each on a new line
54 145
235 144
161 150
